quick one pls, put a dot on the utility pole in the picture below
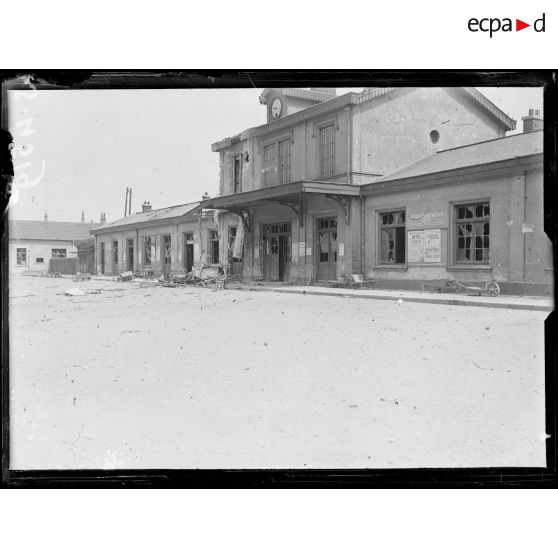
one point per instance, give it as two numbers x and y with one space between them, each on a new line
130 203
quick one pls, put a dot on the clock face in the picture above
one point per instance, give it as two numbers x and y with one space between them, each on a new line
276 108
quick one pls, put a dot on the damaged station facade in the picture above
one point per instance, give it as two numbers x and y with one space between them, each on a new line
400 185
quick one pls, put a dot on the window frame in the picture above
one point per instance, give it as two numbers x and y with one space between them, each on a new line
18 252
236 157
380 226
454 205
53 250
277 176
146 253
284 172
326 173
166 260
114 250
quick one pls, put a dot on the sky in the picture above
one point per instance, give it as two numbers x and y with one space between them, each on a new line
79 150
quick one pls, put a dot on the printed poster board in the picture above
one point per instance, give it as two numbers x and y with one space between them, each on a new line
415 246
433 246
424 246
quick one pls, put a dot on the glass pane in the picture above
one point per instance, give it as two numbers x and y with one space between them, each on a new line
479 210
461 213
486 243
486 228
386 245
469 211
486 209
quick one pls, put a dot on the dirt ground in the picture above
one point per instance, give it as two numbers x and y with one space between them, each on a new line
151 377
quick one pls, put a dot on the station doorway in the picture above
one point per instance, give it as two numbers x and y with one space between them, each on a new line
277 251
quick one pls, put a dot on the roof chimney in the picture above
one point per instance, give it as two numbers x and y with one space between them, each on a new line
328 90
533 121
206 196
103 219
145 206
46 216
82 216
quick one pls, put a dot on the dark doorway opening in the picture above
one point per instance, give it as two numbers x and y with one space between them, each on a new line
188 251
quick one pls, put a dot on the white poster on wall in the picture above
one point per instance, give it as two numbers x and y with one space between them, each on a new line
424 246
433 246
415 244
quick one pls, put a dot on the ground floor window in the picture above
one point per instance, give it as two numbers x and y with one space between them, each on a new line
167 250
130 243
21 256
213 247
472 231
58 253
115 252
392 237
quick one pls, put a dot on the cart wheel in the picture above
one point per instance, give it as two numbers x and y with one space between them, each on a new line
492 288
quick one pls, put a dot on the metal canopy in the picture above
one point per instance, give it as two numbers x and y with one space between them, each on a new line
291 195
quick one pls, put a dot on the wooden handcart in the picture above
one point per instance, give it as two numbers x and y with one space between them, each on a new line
488 287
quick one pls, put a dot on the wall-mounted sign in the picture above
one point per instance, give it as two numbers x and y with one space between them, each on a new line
301 249
341 249
427 219
424 246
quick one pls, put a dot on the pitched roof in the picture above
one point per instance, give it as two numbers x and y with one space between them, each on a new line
482 153
341 101
173 212
49 230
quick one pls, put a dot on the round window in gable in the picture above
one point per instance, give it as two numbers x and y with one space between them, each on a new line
434 136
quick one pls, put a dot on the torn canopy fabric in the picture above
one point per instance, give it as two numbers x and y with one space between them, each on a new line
238 247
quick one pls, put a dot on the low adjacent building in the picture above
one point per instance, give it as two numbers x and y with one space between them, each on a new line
470 213
32 244
161 241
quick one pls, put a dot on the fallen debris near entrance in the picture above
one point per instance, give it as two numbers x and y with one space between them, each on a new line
126 276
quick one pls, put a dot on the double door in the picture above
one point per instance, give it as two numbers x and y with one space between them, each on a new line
277 251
